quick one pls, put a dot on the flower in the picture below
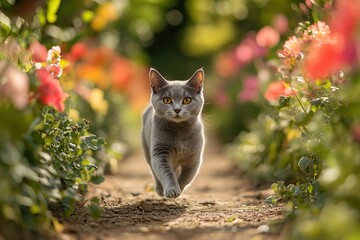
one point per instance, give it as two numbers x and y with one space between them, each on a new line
54 69
250 89
247 50
77 51
267 37
53 55
291 48
319 31
280 23
221 99
97 101
106 13
340 47
14 84
291 52
225 65
121 73
39 52
277 89
50 92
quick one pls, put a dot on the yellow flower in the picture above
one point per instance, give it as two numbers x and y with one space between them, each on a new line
106 13
97 101
74 115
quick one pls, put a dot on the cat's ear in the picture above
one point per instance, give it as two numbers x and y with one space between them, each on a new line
196 81
156 80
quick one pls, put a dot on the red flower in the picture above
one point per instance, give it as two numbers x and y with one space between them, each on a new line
50 92
77 51
277 89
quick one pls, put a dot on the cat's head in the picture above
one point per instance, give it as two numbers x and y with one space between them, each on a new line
176 100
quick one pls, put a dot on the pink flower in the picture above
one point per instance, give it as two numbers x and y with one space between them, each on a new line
355 132
247 50
50 92
319 31
15 85
277 89
221 98
291 48
280 23
250 89
267 37
39 52
308 3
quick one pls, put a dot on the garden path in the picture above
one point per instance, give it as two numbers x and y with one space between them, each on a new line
221 204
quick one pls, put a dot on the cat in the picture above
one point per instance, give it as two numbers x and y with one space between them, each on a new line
173 132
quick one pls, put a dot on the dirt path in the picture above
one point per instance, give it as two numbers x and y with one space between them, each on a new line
220 204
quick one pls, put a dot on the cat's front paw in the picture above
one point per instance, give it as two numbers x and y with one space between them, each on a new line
172 192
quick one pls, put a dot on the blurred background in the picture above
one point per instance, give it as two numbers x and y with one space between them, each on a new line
110 45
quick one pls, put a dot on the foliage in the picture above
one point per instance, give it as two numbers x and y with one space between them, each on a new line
313 112
46 159
48 164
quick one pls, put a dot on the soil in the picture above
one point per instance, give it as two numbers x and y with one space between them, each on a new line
222 203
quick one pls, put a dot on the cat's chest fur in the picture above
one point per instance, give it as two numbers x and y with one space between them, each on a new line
181 139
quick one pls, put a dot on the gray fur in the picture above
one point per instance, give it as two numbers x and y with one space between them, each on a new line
174 142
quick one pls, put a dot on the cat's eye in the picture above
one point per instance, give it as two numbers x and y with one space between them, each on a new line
186 100
167 100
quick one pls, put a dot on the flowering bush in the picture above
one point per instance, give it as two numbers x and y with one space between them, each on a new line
308 139
46 159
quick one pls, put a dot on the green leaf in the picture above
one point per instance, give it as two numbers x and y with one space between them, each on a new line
53 6
310 188
94 210
95 200
304 163
93 142
272 200
231 218
97 179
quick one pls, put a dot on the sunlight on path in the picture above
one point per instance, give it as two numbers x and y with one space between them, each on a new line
221 204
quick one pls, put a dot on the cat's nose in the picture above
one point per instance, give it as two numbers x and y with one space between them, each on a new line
177 110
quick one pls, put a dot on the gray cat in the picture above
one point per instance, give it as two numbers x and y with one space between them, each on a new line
173 132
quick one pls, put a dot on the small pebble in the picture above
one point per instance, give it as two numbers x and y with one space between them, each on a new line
263 228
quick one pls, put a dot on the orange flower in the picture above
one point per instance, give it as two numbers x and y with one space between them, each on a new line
121 73
277 89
